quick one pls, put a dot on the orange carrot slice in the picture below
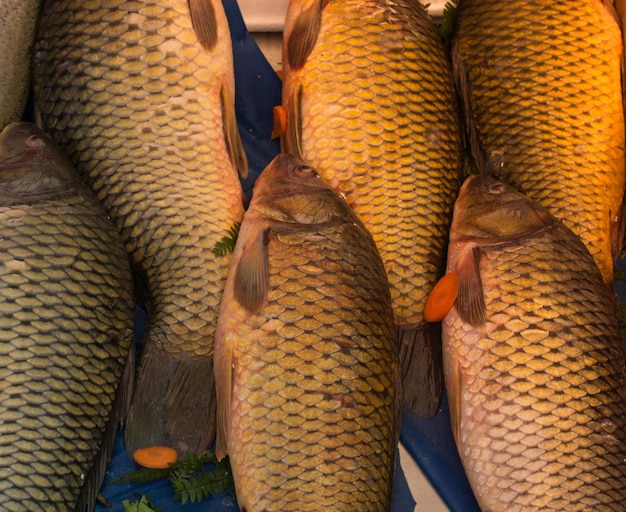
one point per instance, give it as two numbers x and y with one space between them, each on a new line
279 126
441 298
155 457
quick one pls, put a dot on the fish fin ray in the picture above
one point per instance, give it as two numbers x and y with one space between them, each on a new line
144 422
224 391
473 137
422 368
189 405
204 22
454 402
470 302
292 139
303 36
252 273
231 133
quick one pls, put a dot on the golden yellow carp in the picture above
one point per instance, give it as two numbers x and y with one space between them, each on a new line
307 370
542 89
370 103
66 324
534 365
140 95
18 23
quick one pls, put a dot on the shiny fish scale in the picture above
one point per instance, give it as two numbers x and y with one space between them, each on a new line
66 324
314 419
543 84
379 123
543 423
132 98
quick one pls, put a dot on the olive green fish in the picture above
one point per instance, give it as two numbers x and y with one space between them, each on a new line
534 366
307 370
542 89
66 329
18 23
370 103
141 96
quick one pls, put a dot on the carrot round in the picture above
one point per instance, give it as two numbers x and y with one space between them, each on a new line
155 457
441 298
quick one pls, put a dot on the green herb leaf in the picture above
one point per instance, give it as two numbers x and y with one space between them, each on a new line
143 505
227 243
142 475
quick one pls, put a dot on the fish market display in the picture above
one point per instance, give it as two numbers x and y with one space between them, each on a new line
18 20
370 103
541 85
140 95
307 370
66 317
534 366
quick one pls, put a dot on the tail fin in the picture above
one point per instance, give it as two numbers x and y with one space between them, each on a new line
173 402
422 368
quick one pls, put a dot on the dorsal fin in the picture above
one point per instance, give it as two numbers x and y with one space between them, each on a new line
204 22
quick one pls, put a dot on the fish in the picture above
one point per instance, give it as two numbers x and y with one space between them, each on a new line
140 95
18 24
369 101
67 327
540 85
306 361
534 366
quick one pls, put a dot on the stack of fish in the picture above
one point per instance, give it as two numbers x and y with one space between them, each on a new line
300 348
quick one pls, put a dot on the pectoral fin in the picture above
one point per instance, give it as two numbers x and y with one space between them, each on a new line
470 302
231 133
252 273
292 140
303 36
204 22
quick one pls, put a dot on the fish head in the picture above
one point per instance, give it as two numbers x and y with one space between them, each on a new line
31 165
490 209
288 190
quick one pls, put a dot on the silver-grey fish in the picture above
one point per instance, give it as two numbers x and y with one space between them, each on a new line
66 329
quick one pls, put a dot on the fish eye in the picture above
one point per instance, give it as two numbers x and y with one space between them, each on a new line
497 188
306 170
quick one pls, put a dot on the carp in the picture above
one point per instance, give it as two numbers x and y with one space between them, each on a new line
369 101
534 365
66 322
541 86
306 362
140 95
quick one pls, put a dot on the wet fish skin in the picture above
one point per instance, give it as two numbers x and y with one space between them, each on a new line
18 22
370 103
540 82
307 369
66 323
140 96
534 366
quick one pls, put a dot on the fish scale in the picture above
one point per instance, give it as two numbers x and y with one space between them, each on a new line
307 383
537 389
541 86
373 108
66 327
146 113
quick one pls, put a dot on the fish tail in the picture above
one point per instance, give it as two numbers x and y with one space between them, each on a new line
173 402
422 368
